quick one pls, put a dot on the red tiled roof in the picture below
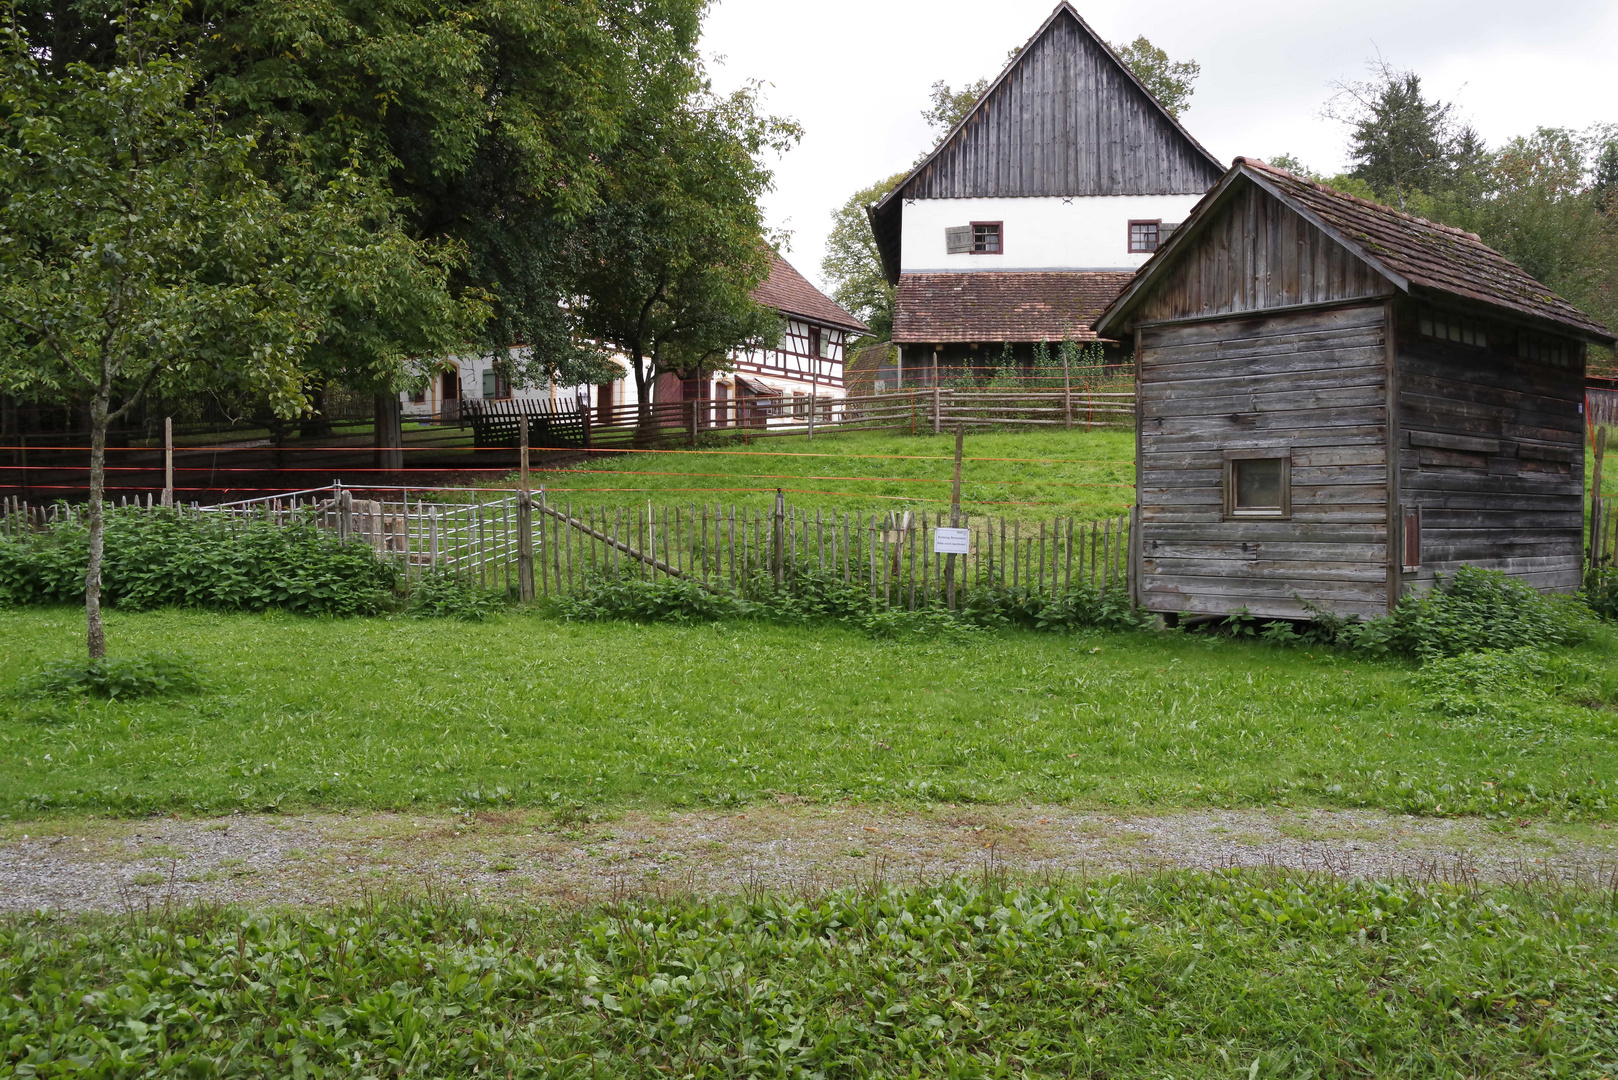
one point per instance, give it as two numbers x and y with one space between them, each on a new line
1426 253
988 305
789 292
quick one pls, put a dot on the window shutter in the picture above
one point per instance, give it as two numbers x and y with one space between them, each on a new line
1412 538
958 241
1166 230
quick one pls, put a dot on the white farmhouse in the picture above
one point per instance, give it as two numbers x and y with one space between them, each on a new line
1036 210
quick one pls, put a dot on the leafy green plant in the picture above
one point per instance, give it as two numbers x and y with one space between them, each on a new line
659 600
1601 592
443 595
1469 611
160 559
810 597
149 675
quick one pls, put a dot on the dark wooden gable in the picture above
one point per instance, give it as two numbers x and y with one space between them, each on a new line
1065 118
1252 253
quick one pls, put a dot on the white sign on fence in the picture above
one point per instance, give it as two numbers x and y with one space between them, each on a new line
952 541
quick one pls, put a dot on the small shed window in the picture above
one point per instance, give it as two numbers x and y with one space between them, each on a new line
1143 236
1557 352
1412 538
1258 484
986 238
1443 327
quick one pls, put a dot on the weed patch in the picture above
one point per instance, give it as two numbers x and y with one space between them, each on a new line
151 675
1257 974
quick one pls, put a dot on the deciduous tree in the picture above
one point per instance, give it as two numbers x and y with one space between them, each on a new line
1171 82
852 264
140 249
668 263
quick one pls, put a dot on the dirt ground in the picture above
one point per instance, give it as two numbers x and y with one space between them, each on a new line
531 857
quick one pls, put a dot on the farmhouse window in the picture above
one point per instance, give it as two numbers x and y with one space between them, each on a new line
1143 236
1412 538
1442 327
814 341
495 385
418 396
986 238
1258 484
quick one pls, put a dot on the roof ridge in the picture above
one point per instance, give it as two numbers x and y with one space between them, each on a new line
1380 208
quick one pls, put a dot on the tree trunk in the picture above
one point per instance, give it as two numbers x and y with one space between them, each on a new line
389 435
95 636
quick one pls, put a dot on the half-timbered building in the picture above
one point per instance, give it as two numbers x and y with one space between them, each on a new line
1338 402
775 384
1036 209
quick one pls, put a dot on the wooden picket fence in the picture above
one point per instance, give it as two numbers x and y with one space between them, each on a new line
1603 533
733 549
741 550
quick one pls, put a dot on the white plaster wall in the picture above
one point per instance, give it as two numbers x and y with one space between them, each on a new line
1078 233
471 369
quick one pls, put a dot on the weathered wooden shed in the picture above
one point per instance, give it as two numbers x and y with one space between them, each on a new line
1337 401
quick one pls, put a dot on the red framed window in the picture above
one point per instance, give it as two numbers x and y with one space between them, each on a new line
1143 236
988 238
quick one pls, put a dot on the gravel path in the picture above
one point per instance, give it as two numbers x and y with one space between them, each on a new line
260 860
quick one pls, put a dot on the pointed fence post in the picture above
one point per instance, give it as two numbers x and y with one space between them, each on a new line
777 531
954 516
525 519
168 461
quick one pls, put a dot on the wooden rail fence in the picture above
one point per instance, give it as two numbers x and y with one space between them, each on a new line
494 423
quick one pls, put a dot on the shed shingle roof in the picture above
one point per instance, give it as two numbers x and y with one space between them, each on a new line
1425 253
789 292
987 305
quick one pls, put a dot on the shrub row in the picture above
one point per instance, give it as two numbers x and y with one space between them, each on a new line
155 559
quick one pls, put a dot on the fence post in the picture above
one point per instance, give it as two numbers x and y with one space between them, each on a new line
345 515
937 407
954 516
525 519
168 461
814 385
777 533
1067 393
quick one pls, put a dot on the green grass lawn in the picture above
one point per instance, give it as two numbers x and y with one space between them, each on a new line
1021 474
372 713
1187 975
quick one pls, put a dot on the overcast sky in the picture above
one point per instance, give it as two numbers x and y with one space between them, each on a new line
855 73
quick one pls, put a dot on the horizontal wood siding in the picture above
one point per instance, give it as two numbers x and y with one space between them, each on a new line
1309 384
1066 120
1491 449
1256 253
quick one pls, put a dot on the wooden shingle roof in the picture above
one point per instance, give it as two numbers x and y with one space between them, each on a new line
1412 253
790 293
1425 253
993 305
